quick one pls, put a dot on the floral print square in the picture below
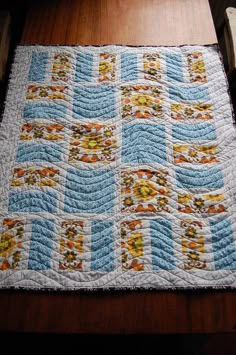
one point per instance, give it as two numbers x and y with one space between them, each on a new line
141 101
189 111
196 67
193 244
198 154
210 203
132 246
61 67
151 66
107 67
39 176
42 131
145 190
92 143
45 92
11 239
71 245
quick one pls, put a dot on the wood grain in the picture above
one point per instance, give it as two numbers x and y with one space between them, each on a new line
119 313
133 22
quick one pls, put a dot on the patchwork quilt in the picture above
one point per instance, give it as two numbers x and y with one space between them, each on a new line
117 169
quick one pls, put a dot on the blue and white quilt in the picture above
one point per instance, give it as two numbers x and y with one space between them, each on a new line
117 169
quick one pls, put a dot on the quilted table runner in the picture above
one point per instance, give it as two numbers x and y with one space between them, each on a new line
117 169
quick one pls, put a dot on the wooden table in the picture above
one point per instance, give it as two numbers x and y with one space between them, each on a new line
134 22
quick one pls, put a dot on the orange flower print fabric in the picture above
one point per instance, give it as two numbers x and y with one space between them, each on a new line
61 67
145 191
201 203
92 143
141 101
152 66
71 245
201 154
189 111
132 253
35 176
107 67
196 67
11 239
40 92
193 245
37 130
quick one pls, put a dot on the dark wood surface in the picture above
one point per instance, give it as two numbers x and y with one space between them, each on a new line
122 313
136 22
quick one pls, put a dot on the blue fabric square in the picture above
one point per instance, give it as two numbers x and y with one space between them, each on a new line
174 67
102 246
143 143
129 69
32 202
179 93
162 245
190 178
84 67
94 101
41 244
40 110
223 244
201 131
38 66
39 152
89 191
